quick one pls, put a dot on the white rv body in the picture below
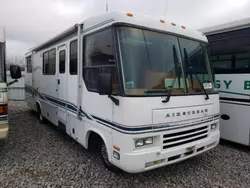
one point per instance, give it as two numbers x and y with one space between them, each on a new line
229 45
4 127
65 100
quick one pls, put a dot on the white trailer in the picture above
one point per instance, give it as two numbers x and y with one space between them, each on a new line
230 57
138 89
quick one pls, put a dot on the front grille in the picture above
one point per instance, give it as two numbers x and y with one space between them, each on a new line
184 137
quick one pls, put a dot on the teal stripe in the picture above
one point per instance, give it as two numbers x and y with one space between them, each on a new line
235 93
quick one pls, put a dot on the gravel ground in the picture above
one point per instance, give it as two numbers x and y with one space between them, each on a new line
37 155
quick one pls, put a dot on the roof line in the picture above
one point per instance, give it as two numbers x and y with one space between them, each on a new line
227 27
69 31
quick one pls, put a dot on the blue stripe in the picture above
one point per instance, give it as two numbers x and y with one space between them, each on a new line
127 130
124 128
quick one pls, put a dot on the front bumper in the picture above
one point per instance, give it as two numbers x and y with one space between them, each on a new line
136 162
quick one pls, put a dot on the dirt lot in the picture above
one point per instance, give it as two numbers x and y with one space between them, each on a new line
37 155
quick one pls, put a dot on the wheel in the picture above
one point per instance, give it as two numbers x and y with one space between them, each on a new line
105 159
39 114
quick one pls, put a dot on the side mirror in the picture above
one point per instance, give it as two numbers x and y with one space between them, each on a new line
104 84
15 72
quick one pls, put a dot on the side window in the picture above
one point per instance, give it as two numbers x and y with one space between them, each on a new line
45 63
242 61
62 61
73 58
29 64
236 63
99 58
49 62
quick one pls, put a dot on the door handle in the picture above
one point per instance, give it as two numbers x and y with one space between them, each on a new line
58 81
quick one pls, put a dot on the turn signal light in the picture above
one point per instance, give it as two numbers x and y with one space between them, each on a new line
173 24
162 21
3 109
130 14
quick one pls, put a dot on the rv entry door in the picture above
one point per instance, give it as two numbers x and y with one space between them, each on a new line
62 83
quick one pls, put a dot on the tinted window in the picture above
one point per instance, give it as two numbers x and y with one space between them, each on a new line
73 58
62 61
230 52
242 60
49 62
99 58
29 64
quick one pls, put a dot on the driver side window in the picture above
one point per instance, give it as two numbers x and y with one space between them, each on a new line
99 58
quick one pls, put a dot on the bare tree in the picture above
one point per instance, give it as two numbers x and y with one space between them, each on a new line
15 60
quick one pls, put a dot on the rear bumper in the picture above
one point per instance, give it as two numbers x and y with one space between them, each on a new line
4 131
136 162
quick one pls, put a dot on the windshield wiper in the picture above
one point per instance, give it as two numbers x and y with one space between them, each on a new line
177 71
190 68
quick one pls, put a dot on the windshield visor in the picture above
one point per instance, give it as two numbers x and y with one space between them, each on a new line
151 63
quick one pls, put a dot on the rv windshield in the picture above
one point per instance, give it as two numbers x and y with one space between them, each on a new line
151 63
2 62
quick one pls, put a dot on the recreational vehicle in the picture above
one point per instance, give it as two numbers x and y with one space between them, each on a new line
4 127
230 57
135 88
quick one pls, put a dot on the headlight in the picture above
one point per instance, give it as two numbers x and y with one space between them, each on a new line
149 141
139 143
144 142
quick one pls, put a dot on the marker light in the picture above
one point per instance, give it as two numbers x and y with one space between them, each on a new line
130 14
162 21
183 27
173 24
116 148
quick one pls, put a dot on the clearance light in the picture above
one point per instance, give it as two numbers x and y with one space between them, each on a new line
183 27
130 14
162 21
173 24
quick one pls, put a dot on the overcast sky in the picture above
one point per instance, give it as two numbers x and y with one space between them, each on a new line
30 22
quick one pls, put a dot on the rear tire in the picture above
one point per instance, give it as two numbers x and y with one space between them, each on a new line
105 159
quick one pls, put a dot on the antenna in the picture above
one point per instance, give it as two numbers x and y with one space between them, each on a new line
107 6
166 9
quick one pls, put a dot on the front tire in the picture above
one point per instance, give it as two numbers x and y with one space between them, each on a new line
105 159
39 114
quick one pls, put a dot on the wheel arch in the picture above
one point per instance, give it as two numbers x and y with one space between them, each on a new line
101 135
